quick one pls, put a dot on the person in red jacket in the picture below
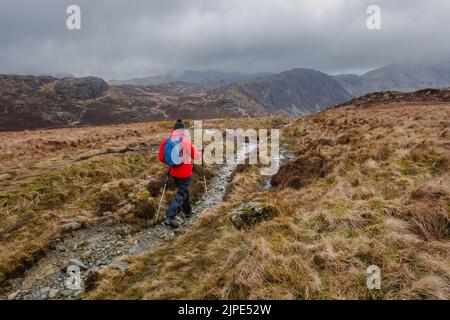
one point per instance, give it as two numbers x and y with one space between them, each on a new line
181 174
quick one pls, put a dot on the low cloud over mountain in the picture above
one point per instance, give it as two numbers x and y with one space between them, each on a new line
119 41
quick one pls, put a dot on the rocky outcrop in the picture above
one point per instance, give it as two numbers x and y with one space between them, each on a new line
385 97
252 213
81 88
295 92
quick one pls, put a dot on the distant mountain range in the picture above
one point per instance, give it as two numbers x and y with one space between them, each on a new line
397 77
294 92
35 102
302 91
32 102
298 91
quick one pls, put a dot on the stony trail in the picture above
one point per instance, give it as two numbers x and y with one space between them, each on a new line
92 249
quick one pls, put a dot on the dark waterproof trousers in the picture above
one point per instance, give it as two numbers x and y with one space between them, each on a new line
181 199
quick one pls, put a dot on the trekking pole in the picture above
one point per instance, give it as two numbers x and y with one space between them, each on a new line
204 176
162 196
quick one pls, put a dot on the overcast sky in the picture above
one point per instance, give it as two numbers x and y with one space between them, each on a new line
132 38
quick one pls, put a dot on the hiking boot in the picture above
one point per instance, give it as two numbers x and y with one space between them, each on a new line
188 215
172 223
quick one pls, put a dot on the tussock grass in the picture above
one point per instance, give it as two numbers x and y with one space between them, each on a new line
51 177
364 189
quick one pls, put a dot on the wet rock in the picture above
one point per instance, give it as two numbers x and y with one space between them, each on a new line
53 293
122 266
74 261
136 249
44 292
252 213
14 295
71 226
67 293
76 293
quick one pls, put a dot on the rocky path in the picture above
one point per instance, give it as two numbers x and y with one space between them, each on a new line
92 249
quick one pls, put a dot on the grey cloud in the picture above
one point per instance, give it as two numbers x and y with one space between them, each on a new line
121 39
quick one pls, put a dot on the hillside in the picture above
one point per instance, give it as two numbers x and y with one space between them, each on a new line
295 92
364 183
368 185
35 102
398 77
88 194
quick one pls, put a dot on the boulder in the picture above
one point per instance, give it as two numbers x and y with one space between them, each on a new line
76 262
122 266
71 226
252 213
53 293
14 295
81 88
67 292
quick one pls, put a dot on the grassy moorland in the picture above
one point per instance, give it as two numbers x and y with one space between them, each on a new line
54 182
368 186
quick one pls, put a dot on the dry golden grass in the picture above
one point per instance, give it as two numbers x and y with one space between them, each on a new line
368 186
51 177
47 184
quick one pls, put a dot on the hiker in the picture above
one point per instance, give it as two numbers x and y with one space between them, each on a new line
177 151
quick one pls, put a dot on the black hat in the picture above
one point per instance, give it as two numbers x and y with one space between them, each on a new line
178 125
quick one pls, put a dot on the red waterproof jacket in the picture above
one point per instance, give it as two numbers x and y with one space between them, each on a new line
184 170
